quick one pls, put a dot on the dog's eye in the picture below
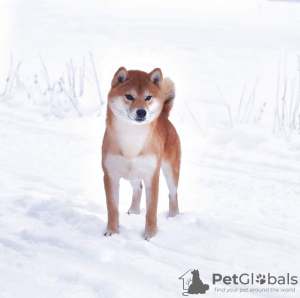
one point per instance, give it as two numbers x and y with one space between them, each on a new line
148 97
129 97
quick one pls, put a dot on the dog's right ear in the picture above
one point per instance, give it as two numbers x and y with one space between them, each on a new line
120 76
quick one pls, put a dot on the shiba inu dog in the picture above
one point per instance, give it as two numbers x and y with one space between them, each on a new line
138 141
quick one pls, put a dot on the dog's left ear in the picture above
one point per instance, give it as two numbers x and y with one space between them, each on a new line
156 76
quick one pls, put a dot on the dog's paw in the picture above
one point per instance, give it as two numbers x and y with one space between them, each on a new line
173 213
173 210
133 211
149 233
110 232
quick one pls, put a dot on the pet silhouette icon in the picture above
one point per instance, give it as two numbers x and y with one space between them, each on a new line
194 283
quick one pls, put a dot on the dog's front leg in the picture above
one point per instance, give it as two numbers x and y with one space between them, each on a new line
112 201
151 187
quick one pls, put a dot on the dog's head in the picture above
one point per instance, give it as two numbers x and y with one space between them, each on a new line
136 96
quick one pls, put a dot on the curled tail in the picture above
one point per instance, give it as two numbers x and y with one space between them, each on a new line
168 89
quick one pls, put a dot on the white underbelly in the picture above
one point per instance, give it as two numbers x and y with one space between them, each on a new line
141 167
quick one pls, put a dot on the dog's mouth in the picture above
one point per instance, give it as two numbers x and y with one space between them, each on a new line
138 119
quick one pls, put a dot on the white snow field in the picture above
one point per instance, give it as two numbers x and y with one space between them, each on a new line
239 192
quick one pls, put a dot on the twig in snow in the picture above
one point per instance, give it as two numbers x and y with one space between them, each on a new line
250 103
260 113
46 74
226 105
8 78
15 76
96 79
241 103
81 78
189 110
71 99
277 95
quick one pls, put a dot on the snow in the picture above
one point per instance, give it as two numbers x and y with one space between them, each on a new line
239 186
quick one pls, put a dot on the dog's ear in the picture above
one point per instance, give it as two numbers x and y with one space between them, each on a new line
156 76
120 76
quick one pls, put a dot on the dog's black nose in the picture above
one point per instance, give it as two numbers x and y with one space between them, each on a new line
141 113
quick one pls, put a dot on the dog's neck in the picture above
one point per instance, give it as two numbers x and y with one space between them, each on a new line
130 138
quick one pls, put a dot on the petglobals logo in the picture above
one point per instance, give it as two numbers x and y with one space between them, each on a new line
252 279
246 282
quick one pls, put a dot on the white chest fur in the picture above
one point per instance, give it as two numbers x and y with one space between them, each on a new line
141 167
131 138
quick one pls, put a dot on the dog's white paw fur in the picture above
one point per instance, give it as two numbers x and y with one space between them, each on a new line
134 211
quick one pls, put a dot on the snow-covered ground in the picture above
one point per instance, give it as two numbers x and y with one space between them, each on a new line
240 182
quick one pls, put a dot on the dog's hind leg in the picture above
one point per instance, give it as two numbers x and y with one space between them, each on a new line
137 188
171 173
